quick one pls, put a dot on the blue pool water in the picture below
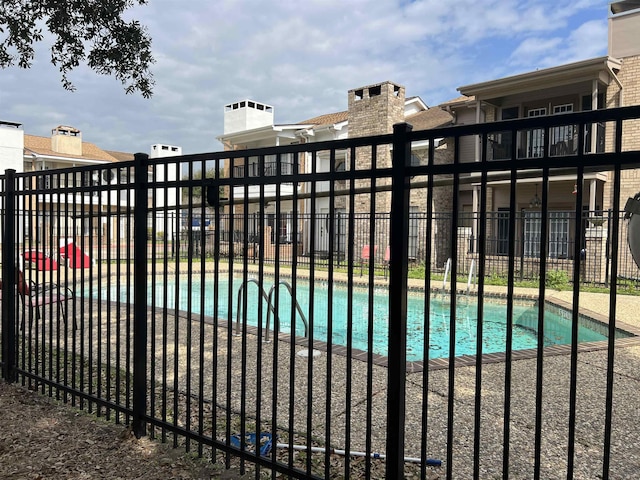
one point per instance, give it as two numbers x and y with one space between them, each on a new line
557 330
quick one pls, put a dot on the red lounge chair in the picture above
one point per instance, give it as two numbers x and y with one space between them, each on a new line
387 260
40 260
364 256
74 257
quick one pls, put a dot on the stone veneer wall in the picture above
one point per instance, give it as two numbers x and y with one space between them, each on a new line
371 114
442 204
373 110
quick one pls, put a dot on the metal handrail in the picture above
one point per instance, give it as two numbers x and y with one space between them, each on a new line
270 307
240 290
472 274
277 327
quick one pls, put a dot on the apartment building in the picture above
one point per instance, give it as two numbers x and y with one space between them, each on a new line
64 149
603 82
372 110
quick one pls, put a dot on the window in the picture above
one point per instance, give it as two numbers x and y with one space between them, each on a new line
558 234
535 137
532 229
502 244
285 228
413 232
563 138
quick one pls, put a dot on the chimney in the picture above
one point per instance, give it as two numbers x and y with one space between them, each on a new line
246 115
67 140
11 146
374 109
624 24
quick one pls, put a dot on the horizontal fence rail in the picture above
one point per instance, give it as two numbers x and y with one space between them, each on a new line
366 308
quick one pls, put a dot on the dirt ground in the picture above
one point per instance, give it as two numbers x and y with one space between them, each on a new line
43 439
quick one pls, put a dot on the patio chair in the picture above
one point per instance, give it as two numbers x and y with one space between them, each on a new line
364 256
72 256
36 296
387 260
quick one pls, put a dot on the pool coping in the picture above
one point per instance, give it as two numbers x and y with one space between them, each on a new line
467 360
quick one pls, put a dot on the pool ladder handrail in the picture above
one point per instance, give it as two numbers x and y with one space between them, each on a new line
472 274
447 267
300 312
270 307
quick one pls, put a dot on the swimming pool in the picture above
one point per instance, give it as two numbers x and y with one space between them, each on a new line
557 328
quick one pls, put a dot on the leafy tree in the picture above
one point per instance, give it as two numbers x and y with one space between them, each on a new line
196 192
91 31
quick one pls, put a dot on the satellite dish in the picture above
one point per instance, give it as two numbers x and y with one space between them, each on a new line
632 212
108 175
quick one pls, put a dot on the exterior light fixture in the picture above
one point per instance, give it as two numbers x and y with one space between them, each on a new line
575 188
535 202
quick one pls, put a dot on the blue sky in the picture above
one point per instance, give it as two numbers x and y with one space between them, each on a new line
301 58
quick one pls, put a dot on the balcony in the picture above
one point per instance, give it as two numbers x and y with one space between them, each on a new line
270 169
530 142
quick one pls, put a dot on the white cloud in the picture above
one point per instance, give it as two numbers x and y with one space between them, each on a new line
587 41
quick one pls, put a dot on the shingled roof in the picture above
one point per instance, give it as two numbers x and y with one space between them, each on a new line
120 156
462 99
326 119
42 146
432 118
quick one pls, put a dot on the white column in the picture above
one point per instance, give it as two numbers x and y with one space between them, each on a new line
478 117
594 126
476 214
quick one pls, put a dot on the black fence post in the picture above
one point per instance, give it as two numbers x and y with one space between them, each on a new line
9 279
608 249
140 249
398 270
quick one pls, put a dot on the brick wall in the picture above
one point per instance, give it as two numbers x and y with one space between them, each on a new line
629 76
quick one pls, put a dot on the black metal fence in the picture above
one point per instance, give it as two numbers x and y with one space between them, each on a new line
593 246
149 300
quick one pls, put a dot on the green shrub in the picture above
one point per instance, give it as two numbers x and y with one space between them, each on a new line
557 279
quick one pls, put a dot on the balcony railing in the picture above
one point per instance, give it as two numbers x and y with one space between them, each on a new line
269 169
530 142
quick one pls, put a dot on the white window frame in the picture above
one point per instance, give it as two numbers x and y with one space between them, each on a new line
535 137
